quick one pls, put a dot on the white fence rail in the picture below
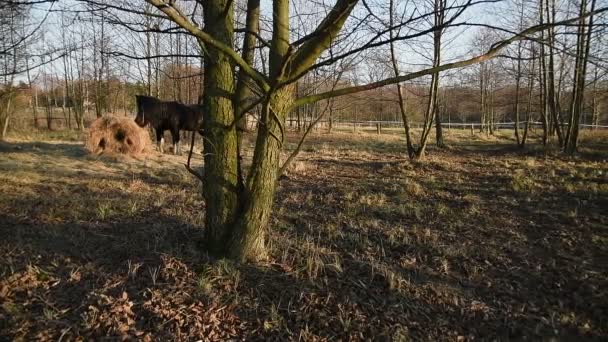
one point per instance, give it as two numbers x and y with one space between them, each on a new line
395 124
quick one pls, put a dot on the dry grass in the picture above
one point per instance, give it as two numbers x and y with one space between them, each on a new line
479 241
112 135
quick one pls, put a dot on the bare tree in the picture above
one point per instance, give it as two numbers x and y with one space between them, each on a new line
432 113
531 78
583 37
11 58
402 104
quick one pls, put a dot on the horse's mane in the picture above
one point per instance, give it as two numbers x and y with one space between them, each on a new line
150 106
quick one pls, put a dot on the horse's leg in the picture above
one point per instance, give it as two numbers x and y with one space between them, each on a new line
160 140
176 147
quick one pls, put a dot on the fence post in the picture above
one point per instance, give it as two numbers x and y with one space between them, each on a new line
472 130
378 128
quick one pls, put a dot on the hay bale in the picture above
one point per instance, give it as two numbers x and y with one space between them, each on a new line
111 135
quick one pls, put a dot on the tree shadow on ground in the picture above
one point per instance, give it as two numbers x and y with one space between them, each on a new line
493 260
150 276
38 147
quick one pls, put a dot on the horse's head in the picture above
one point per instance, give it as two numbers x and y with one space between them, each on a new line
141 120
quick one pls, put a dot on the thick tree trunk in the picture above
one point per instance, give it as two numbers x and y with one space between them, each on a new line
220 180
247 242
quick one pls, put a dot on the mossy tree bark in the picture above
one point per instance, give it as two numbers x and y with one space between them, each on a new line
249 229
220 180
243 93
247 239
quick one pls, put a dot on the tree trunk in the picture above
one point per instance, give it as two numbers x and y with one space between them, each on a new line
531 76
255 202
247 241
491 109
243 88
35 107
550 75
299 109
34 101
482 106
438 129
595 108
220 180
49 108
330 122
7 114
402 110
157 66
583 47
66 115
517 89
149 53
431 113
543 96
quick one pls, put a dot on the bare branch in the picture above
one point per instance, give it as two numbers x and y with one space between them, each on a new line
491 53
177 17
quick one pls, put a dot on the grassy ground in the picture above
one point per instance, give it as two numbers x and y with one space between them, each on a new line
478 241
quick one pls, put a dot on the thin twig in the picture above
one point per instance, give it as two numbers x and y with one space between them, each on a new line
196 174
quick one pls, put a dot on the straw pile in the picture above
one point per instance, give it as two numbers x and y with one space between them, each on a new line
114 135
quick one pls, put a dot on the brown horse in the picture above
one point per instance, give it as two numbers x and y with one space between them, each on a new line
168 115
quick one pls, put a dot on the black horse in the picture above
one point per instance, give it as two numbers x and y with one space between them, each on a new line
168 115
